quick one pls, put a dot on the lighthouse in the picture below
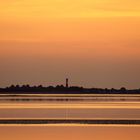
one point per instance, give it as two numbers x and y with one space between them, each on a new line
67 82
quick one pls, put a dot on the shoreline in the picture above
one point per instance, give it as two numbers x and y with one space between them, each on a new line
65 121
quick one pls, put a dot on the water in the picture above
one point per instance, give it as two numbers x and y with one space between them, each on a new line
70 132
70 107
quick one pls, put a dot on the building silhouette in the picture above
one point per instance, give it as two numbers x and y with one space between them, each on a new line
67 82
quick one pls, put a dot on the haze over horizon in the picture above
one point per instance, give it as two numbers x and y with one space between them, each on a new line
95 43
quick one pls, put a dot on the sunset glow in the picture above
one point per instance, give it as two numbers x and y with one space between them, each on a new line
94 42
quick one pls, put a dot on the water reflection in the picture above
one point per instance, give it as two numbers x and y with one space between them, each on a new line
88 107
70 106
57 132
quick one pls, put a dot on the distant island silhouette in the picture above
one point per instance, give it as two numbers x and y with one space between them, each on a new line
61 89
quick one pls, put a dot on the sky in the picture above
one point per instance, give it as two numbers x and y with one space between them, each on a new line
95 43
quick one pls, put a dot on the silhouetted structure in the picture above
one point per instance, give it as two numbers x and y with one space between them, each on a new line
67 82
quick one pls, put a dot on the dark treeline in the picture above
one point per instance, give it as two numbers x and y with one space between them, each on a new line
62 89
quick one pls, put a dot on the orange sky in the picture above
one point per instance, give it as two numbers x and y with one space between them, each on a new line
94 42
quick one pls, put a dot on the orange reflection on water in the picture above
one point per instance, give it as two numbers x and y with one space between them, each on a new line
100 132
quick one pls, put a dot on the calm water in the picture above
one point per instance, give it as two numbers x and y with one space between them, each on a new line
69 132
93 107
